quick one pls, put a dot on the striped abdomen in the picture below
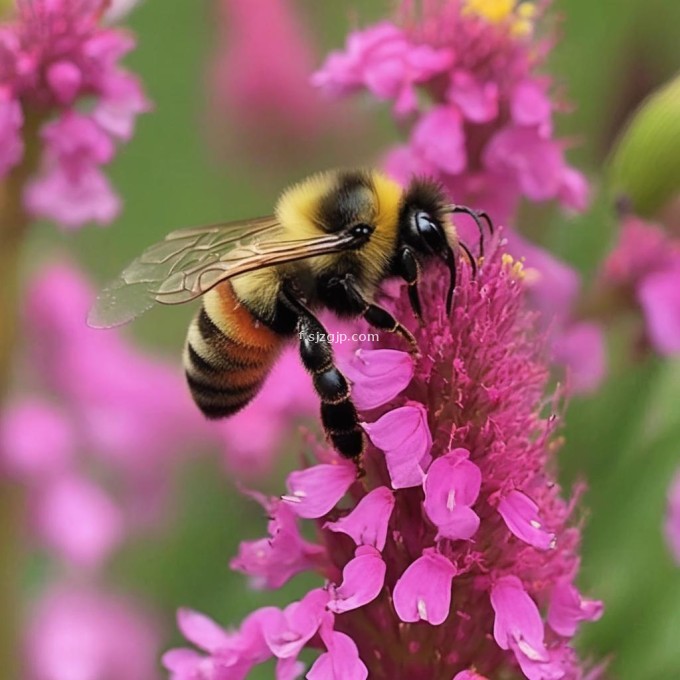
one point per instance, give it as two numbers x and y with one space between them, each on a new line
228 354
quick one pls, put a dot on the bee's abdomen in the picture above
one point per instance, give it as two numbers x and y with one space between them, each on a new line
228 354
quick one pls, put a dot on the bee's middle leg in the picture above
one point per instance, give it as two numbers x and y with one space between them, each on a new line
338 414
376 316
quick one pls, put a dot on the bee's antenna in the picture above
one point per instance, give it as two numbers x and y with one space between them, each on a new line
477 216
473 263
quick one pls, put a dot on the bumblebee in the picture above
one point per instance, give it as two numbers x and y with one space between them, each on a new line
334 238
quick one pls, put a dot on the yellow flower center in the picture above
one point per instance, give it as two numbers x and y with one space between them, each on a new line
518 15
515 268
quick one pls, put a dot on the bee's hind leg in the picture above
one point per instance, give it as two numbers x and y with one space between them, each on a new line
338 414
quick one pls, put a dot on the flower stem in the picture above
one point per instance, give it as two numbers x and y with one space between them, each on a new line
13 225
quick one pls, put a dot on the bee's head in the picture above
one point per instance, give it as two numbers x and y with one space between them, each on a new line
425 226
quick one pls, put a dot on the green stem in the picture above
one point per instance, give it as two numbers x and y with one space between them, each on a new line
13 227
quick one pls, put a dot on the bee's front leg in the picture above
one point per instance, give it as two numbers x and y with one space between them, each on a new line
408 268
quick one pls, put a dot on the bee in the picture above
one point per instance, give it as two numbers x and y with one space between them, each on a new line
333 239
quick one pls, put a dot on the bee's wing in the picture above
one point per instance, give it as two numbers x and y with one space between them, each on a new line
189 262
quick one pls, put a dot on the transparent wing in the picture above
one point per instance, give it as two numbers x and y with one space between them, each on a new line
189 262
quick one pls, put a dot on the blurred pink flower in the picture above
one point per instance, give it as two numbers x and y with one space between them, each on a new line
643 272
78 633
53 54
673 518
132 411
259 79
77 520
486 129
457 522
37 441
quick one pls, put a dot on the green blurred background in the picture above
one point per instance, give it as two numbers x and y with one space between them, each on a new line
625 441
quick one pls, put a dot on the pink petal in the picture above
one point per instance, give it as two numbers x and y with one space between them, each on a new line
362 580
377 376
423 592
521 516
289 669
517 617
536 163
315 491
451 486
533 665
368 521
469 675
478 102
574 193
286 632
341 661
72 201
659 296
529 104
404 437
182 662
201 630
65 80
273 561
567 609
438 136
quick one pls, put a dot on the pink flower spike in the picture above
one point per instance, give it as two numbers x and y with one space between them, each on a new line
362 580
520 514
451 487
313 492
423 592
469 675
567 609
286 632
377 376
438 137
404 437
341 661
368 521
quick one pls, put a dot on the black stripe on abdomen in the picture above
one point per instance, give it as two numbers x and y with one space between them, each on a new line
223 374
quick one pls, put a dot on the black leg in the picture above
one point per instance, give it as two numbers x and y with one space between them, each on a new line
377 316
409 269
338 414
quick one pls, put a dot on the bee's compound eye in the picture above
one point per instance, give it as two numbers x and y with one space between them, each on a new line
362 230
424 222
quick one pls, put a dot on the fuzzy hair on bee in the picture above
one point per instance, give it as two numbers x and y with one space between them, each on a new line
334 239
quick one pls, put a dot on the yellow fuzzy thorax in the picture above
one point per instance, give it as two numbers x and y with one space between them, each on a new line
299 214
